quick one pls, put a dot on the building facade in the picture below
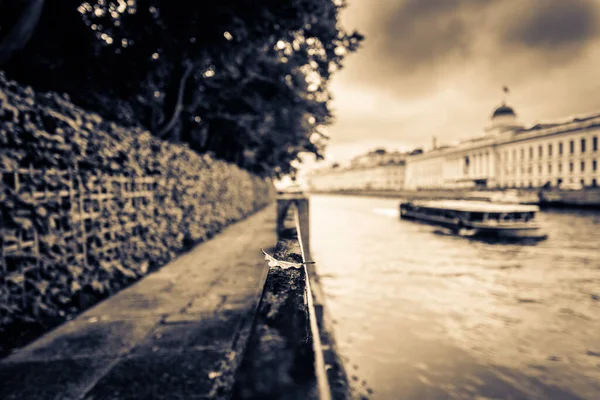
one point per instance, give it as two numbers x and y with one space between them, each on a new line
509 155
376 170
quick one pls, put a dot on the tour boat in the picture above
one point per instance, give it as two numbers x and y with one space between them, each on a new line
477 217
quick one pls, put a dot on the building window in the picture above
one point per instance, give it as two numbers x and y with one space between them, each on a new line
540 169
522 154
594 165
540 151
549 168
582 182
570 167
559 168
582 166
531 153
530 170
560 148
595 143
550 150
594 183
583 145
572 146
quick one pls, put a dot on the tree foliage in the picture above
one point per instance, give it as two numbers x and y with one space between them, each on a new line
244 79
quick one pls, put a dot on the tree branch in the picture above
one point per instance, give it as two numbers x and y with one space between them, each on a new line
22 31
179 106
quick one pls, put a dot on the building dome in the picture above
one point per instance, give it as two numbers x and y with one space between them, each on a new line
503 119
504 110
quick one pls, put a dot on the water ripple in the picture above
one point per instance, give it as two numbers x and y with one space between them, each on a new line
426 315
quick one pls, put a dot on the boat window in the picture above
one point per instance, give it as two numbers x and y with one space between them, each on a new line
519 216
476 216
494 216
529 216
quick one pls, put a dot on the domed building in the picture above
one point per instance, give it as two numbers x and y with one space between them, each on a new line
503 119
510 155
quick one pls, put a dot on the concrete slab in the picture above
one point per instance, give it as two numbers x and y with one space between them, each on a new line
83 338
136 305
140 344
217 330
203 304
165 338
184 318
160 376
60 380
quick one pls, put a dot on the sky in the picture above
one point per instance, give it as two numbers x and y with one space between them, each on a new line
437 68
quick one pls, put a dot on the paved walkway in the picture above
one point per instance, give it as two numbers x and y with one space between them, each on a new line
176 334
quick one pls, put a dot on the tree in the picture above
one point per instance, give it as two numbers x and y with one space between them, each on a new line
27 14
246 80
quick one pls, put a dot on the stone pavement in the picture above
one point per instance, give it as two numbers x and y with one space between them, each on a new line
176 334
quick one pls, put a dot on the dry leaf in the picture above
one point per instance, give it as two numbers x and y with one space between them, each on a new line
273 262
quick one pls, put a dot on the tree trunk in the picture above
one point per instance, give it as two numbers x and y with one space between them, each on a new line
176 101
20 33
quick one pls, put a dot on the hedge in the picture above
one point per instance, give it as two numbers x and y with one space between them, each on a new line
87 206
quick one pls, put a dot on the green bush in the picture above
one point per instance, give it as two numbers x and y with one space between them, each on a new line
184 198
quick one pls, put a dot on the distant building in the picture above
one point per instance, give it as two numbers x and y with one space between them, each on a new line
376 170
507 155
510 155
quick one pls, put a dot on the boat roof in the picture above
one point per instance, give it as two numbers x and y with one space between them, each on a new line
475 206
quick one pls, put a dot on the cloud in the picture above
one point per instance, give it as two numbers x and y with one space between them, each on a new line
436 68
413 45
552 25
419 33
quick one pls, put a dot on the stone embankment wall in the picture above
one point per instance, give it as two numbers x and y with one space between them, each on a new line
291 352
87 206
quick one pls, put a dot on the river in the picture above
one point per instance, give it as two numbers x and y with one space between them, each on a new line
422 315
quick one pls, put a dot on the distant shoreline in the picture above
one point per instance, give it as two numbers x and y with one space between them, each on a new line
588 198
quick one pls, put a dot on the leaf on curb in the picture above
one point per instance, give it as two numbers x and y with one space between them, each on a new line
273 262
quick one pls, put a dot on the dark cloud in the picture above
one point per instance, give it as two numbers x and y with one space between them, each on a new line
436 67
553 25
416 43
421 32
